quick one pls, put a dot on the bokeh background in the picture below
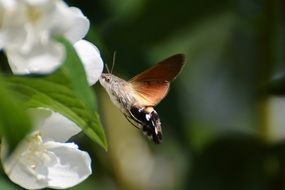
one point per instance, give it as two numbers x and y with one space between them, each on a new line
224 117
223 120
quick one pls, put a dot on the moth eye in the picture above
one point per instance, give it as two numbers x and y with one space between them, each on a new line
107 79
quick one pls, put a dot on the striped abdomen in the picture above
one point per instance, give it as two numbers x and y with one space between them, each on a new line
147 120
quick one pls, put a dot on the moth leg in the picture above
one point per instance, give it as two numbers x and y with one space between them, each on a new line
132 122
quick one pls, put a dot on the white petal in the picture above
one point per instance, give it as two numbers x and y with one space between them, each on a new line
28 164
58 128
35 165
7 3
91 59
19 176
36 2
80 25
73 167
52 125
42 59
13 37
12 34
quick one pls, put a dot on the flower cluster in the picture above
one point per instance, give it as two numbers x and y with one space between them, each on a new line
27 28
27 32
44 159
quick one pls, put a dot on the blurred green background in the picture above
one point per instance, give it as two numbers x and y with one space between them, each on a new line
223 119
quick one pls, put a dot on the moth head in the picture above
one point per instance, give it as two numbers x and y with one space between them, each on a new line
105 79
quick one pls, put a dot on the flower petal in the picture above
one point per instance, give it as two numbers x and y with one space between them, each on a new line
11 33
25 165
20 176
73 167
58 128
91 59
42 60
80 25
35 165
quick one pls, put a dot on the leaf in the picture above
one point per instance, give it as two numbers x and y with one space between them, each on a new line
14 122
67 92
74 71
5 184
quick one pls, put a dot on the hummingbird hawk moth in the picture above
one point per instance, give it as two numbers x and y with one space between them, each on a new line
137 97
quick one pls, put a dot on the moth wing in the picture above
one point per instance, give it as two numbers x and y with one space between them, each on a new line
152 85
150 93
166 70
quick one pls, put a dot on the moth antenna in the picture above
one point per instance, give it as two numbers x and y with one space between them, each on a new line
114 59
107 68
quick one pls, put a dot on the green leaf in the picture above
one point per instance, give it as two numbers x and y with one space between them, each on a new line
67 92
7 185
74 71
14 122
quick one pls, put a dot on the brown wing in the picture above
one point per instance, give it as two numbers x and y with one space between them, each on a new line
152 85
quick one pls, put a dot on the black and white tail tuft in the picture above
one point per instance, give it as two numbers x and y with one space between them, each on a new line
147 119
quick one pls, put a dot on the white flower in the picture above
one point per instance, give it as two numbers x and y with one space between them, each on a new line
43 159
27 28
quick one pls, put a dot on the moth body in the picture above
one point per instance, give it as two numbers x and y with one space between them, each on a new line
141 116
